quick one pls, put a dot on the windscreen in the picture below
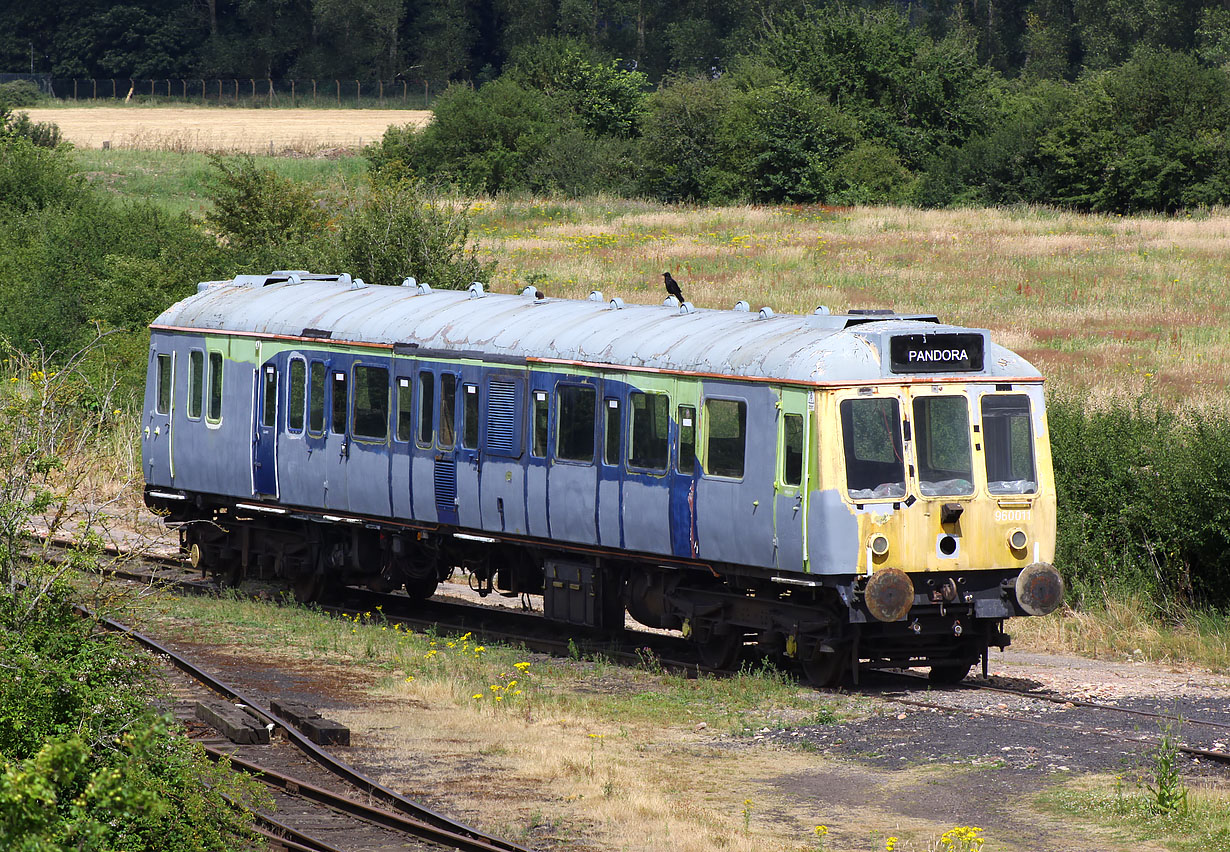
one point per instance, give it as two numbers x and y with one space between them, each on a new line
941 440
1008 433
871 433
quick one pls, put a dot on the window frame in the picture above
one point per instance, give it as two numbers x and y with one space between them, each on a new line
983 437
693 427
470 416
707 460
449 420
785 450
215 387
425 391
339 406
270 374
196 389
164 387
405 388
539 450
609 404
583 387
354 402
313 392
291 428
666 439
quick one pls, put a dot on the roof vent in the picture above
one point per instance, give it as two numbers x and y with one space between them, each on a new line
822 310
409 281
742 306
617 304
596 296
670 302
530 292
423 288
475 290
358 284
344 278
687 308
766 312
871 312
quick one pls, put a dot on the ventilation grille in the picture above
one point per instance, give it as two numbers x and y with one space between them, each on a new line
501 417
446 485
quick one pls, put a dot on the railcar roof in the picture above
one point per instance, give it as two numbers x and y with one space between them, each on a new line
796 348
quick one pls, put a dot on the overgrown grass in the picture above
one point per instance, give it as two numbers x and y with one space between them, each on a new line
179 182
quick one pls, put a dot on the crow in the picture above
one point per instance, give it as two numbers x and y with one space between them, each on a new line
672 287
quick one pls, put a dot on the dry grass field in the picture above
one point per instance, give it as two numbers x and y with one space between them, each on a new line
303 131
1127 307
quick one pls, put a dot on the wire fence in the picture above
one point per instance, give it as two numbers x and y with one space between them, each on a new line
255 92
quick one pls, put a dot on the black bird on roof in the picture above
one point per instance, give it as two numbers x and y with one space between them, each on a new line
672 286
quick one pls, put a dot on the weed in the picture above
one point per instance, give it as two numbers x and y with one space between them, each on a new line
1167 790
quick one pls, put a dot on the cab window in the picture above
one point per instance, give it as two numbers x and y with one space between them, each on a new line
871 437
1008 435
942 443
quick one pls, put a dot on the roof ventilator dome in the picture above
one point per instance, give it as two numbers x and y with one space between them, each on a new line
409 281
766 312
822 310
475 290
670 302
596 296
743 306
423 288
344 279
617 304
358 284
530 292
687 308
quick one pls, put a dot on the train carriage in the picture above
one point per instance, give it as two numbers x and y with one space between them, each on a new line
847 490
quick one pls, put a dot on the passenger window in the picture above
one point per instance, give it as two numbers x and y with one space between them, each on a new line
215 387
405 416
726 426
162 405
538 447
316 399
871 434
649 446
792 449
574 437
338 425
269 407
196 382
371 402
610 453
448 408
469 418
427 406
686 463
298 395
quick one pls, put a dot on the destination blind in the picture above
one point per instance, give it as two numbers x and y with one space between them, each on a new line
936 353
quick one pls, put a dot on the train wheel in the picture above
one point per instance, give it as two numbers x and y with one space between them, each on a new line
949 673
421 588
720 650
825 669
307 587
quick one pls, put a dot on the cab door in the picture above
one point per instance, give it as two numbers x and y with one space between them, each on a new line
265 431
790 490
159 404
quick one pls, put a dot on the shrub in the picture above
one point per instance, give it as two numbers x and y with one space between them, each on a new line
399 228
19 93
688 150
34 178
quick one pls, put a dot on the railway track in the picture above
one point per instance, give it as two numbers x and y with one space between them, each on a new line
673 653
365 814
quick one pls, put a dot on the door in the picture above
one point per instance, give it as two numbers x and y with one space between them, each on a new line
159 469
647 476
537 515
468 456
265 432
790 503
685 472
610 468
502 444
444 472
572 476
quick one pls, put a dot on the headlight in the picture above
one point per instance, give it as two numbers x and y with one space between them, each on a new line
879 544
1017 539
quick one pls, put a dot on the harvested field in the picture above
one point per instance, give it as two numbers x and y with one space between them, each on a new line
281 131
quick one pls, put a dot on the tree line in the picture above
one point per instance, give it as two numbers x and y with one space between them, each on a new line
473 40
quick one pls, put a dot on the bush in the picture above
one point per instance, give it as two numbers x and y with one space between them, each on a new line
19 93
399 228
689 148
34 178
1144 499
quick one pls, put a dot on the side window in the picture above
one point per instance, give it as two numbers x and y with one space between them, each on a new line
196 383
538 448
269 398
162 404
448 411
792 449
338 426
469 418
214 413
405 403
574 435
316 399
371 402
610 452
297 395
686 462
726 426
427 409
648 445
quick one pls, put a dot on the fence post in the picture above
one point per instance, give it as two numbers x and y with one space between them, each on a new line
94 80
403 92
74 89
270 91
202 91
339 92
236 81
358 92
292 94
382 93
313 92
